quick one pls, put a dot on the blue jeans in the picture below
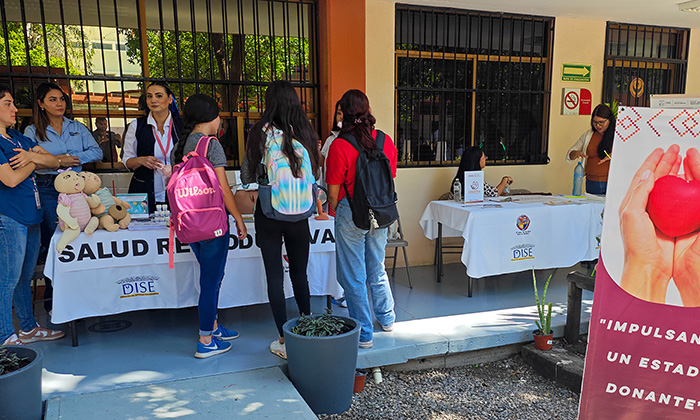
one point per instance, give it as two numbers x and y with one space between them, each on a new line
49 201
19 248
596 187
360 266
211 255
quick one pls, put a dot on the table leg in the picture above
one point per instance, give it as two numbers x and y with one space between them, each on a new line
328 302
469 288
439 253
73 333
573 313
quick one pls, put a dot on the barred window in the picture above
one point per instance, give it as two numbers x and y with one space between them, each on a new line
104 53
643 60
471 78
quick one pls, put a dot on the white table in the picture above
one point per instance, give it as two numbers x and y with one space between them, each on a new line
512 236
114 272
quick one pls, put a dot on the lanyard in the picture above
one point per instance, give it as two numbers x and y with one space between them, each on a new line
37 201
160 144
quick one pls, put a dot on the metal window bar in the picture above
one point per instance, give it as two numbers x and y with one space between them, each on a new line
660 72
429 84
291 31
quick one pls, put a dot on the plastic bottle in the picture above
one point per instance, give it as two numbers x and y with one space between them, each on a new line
457 190
578 179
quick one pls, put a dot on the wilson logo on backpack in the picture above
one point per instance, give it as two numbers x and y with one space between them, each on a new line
374 199
196 199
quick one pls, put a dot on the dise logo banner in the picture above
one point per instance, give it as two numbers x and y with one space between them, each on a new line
644 344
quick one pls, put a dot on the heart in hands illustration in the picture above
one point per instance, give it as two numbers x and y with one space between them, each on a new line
674 205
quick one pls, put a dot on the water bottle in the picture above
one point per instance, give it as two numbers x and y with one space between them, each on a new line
578 179
457 190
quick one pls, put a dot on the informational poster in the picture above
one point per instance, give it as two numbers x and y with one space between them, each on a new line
473 186
642 360
138 203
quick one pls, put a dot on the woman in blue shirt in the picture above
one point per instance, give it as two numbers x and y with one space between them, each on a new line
20 214
70 141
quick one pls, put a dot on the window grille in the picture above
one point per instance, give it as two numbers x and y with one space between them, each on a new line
471 78
104 52
644 60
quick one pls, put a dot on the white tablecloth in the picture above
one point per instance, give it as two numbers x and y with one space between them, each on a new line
508 237
114 272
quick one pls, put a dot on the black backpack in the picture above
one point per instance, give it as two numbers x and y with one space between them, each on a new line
374 200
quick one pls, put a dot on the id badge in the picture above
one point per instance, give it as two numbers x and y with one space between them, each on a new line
36 199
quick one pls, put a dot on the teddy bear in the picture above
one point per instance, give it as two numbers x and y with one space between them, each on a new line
74 209
112 211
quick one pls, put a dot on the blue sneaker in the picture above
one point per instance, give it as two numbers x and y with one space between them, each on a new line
212 349
225 334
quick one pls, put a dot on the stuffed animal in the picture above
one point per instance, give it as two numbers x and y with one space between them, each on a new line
111 212
73 208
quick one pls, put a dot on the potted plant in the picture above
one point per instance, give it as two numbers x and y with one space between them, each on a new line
321 357
20 383
543 333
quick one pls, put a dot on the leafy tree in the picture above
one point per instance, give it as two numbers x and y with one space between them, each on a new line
26 47
236 60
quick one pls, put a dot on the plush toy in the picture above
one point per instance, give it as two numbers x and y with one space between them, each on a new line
111 211
73 208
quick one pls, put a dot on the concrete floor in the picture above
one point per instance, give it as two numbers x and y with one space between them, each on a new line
433 319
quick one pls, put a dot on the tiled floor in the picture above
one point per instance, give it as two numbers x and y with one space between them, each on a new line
158 345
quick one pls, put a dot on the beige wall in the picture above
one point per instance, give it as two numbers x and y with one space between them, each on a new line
575 41
692 85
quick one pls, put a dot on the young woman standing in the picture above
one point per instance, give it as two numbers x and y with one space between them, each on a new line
283 126
202 119
20 215
149 141
71 142
359 254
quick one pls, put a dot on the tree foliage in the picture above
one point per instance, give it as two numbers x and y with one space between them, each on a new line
237 60
26 46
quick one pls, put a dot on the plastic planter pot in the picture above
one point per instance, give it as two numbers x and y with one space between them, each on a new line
323 368
542 342
20 391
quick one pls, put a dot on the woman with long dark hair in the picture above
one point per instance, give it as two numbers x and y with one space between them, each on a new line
202 119
20 215
359 253
283 127
149 141
474 159
595 148
72 144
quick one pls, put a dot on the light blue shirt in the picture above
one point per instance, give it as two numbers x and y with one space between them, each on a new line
75 139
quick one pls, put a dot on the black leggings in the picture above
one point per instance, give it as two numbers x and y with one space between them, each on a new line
268 237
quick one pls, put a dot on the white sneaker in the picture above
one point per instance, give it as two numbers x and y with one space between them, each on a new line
278 349
12 340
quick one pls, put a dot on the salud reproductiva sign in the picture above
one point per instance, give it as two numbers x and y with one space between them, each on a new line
644 339
143 247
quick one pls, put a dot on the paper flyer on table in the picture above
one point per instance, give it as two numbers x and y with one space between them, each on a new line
644 340
473 186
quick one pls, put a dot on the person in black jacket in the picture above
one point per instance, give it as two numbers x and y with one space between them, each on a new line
148 142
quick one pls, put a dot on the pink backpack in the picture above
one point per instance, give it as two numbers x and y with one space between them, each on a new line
196 199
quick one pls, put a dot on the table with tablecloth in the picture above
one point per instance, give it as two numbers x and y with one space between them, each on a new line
520 233
113 272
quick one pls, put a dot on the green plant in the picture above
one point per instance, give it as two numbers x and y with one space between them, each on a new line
545 322
613 107
10 362
320 326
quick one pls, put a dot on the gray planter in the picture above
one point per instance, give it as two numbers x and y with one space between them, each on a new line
323 368
20 391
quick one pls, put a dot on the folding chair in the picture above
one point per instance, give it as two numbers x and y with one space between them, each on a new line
402 243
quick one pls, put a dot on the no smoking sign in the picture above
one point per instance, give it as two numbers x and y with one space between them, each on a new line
576 102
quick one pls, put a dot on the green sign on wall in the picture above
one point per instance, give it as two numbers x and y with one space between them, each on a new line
575 72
